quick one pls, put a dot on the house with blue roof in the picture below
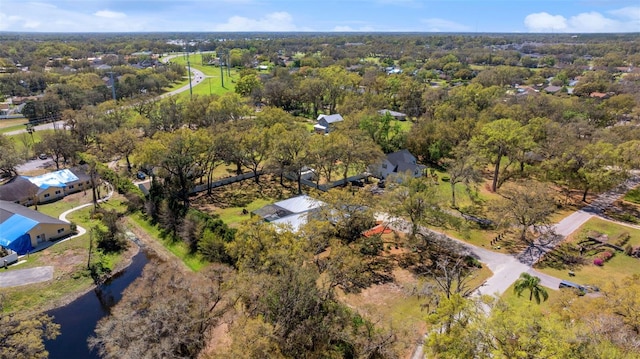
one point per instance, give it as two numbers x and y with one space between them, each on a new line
22 229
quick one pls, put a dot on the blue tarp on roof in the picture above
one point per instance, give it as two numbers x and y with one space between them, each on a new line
13 233
54 179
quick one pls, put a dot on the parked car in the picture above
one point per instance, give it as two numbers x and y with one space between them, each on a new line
43 156
141 175
567 284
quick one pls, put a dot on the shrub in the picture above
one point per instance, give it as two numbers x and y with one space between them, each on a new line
628 250
598 261
623 238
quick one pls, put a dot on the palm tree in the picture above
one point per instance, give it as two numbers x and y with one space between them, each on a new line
532 283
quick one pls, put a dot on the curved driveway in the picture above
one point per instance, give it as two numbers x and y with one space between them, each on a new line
41 274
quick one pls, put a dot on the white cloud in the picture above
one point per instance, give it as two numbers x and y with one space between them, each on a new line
38 16
110 14
8 21
545 22
629 12
593 22
443 25
277 21
624 20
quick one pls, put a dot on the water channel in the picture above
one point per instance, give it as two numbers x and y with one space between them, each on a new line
78 319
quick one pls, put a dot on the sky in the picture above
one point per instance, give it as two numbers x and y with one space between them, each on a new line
507 16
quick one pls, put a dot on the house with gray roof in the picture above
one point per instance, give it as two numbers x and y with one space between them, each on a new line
397 163
396 115
326 123
292 212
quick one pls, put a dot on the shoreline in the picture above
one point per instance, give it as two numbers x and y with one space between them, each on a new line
72 296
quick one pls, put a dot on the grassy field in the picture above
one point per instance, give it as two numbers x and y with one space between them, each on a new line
233 216
513 299
178 248
19 139
212 84
12 124
633 196
617 268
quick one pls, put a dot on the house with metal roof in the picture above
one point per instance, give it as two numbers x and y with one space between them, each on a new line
22 229
45 188
326 123
396 115
292 212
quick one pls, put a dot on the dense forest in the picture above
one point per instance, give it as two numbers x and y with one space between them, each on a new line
515 129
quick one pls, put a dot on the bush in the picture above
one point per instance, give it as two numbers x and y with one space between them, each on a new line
623 238
599 262
628 250
605 256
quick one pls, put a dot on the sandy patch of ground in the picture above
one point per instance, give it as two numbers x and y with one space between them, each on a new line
393 306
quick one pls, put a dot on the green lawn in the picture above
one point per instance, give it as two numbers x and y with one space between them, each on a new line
212 84
513 299
178 248
12 125
633 196
616 269
20 138
233 216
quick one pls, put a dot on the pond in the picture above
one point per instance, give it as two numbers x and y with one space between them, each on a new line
78 319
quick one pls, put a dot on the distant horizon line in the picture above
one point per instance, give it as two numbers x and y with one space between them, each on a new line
319 32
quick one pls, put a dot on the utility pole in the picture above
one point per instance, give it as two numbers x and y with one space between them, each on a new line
189 70
221 71
90 248
113 86
31 130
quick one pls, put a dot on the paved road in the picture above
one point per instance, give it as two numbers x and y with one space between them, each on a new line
507 268
45 126
33 165
19 277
